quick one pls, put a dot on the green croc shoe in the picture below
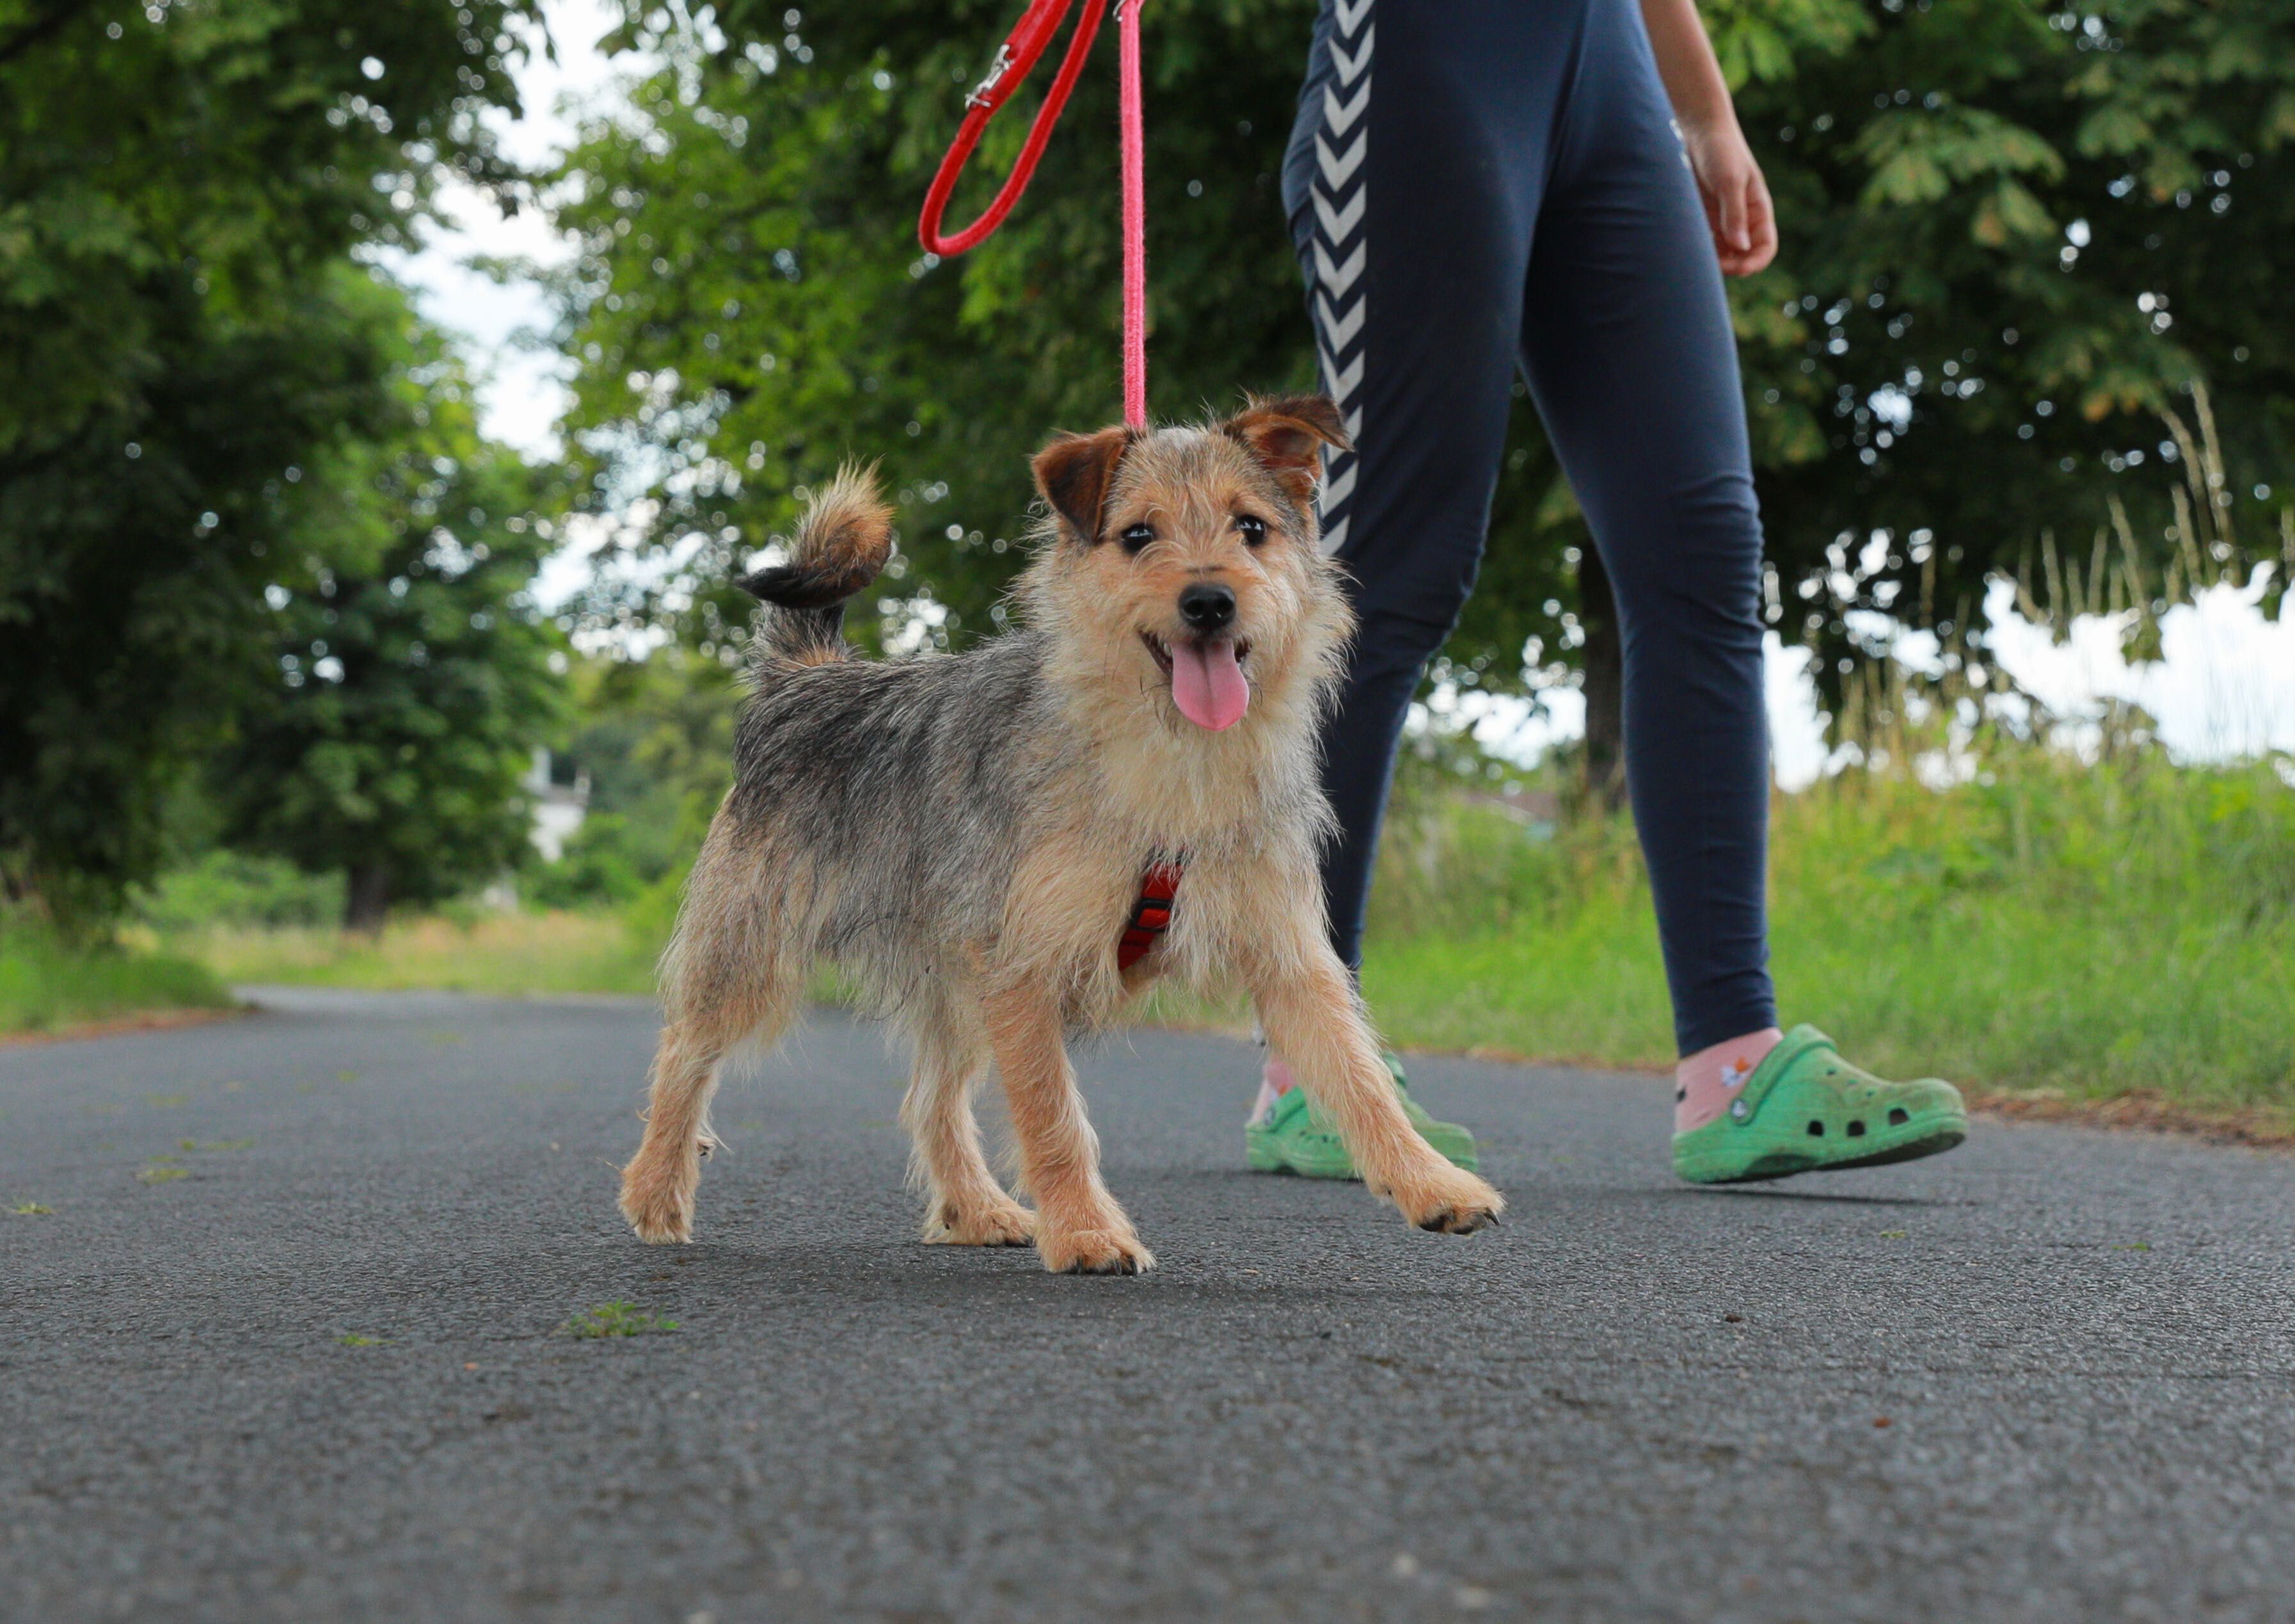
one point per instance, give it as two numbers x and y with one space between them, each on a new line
1805 1110
1292 1138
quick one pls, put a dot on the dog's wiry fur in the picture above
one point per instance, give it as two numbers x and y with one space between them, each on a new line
966 834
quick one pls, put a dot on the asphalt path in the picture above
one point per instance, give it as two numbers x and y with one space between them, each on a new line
289 1345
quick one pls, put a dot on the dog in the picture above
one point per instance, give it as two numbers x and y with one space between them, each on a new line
1003 846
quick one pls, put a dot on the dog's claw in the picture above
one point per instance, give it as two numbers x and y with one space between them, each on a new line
1108 1257
1453 1202
1460 1223
1118 1266
1008 1224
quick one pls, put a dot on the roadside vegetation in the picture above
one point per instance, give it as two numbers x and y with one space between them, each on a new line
2056 927
49 984
505 952
2050 930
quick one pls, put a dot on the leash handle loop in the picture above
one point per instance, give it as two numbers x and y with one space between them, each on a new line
1014 61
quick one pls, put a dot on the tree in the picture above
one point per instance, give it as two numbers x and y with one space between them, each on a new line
1985 206
2030 247
180 184
412 674
654 738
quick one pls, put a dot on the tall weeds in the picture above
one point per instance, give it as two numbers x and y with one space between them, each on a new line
47 980
1971 897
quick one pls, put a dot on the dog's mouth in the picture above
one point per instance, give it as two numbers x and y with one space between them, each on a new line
1207 679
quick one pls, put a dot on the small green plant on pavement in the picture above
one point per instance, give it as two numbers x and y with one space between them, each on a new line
618 1320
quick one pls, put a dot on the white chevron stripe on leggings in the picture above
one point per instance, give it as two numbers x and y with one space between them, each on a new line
1339 167
1341 198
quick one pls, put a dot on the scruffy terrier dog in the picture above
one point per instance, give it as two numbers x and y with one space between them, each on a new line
987 842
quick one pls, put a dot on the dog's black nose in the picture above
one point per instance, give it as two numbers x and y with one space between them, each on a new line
1206 607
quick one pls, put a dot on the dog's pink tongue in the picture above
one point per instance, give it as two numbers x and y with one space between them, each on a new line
1208 685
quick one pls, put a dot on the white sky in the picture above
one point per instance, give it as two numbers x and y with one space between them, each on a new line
505 326
2226 687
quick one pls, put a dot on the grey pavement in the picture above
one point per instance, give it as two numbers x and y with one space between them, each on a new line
2045 1377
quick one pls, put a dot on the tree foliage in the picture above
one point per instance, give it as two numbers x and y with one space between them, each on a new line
655 742
2015 238
2027 247
181 182
753 306
411 673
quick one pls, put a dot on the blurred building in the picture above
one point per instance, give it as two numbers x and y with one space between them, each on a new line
560 792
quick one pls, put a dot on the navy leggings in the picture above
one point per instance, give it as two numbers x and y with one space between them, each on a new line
1476 186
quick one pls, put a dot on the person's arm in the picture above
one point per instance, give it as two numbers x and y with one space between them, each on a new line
1737 198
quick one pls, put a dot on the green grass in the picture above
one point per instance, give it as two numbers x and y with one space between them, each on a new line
500 953
47 982
2119 932
2094 933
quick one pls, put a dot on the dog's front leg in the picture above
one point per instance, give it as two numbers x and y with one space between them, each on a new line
1079 1227
1315 1022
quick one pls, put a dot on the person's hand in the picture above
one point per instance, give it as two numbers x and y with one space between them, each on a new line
1738 207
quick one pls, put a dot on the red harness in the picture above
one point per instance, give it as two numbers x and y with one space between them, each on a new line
1151 915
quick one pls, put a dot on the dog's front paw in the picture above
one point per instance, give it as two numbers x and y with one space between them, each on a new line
659 1206
1449 1201
1006 1223
1094 1252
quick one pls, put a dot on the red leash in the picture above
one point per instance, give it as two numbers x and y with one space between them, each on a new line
1014 58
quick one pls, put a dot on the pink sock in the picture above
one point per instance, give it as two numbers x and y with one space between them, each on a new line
1705 1082
1274 1083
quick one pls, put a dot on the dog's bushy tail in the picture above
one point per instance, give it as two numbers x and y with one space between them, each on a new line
842 541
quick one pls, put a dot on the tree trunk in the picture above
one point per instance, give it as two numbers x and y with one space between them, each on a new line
1606 687
366 899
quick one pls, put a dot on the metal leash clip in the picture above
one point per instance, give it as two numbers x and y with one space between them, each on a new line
1015 59
997 69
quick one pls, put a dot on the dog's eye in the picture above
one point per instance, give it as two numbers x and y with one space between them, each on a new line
1253 527
1135 536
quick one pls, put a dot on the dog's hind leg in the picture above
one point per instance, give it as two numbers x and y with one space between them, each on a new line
965 1205
723 988
1080 1229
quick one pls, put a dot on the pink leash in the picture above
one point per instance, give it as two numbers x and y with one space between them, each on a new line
1132 140
1027 42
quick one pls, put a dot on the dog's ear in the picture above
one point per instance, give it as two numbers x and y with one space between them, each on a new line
1288 434
1075 472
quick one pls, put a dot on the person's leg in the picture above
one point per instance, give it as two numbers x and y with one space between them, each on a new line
1630 358
1412 180
1628 346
